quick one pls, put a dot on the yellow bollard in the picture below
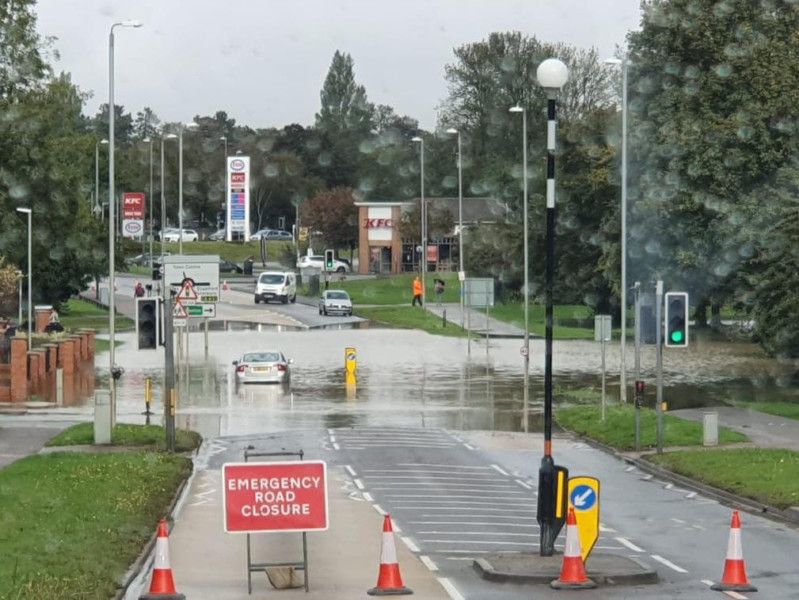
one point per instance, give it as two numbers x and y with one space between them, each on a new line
148 395
350 366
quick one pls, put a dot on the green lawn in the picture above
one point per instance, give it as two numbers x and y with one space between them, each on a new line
233 251
80 314
73 523
765 475
572 321
396 289
618 429
789 410
409 317
128 435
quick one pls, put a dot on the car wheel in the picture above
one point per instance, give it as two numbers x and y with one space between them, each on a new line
341 270
324 311
320 311
257 300
294 298
284 299
349 314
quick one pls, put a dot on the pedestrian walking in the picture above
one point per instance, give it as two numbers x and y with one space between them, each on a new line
417 292
138 292
439 290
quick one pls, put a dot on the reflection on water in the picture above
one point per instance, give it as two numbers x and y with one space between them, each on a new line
408 378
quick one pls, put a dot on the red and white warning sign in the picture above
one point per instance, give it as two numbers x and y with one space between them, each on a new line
187 292
275 496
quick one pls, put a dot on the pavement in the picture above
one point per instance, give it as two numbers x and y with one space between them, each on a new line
475 320
765 431
20 441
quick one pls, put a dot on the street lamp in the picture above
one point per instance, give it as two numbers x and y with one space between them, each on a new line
29 212
181 127
420 141
111 232
461 275
150 200
97 174
623 366
552 75
223 138
526 348
169 136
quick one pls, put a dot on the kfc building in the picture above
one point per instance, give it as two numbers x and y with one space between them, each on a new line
379 242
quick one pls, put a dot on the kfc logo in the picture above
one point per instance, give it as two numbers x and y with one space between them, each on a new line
377 223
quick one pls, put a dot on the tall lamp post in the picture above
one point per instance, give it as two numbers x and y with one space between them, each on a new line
111 193
623 365
223 139
150 200
526 348
420 141
453 131
29 212
181 128
552 75
97 174
169 136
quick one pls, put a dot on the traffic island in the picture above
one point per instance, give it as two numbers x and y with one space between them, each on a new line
604 569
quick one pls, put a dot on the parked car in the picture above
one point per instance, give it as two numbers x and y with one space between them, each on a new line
264 366
335 301
226 266
274 285
189 235
218 235
163 233
259 234
144 259
276 234
318 262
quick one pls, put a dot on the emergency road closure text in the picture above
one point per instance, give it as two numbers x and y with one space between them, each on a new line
285 496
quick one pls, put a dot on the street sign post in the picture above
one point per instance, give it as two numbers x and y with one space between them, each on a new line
602 334
584 499
202 269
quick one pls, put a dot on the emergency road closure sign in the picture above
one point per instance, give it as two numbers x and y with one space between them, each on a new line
275 496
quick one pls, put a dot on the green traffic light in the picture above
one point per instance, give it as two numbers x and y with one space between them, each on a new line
677 336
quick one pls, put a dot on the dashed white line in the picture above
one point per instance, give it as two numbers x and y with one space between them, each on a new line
487 523
379 509
451 589
358 483
439 465
729 593
499 470
367 496
336 446
427 562
469 447
523 484
332 438
409 542
629 469
668 563
492 533
350 470
629 544
438 497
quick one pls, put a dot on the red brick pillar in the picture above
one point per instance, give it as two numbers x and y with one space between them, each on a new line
33 368
84 345
19 369
52 357
42 362
42 318
66 356
92 344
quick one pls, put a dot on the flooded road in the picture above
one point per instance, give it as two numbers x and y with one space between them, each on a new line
409 378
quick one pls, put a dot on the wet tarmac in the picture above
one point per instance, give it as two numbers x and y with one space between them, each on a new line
412 379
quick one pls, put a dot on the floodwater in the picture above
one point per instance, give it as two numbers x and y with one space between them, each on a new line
410 378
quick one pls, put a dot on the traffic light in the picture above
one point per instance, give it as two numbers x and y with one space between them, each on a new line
329 260
147 323
677 319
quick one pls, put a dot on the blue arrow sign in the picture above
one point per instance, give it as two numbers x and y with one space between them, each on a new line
583 497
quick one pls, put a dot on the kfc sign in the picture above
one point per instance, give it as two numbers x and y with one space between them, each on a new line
377 223
133 205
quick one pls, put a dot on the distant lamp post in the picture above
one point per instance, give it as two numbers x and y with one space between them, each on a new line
461 274
111 231
104 142
420 141
526 347
181 128
168 136
29 212
552 75
623 285
150 202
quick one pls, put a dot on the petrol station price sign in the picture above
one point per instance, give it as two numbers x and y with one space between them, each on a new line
275 496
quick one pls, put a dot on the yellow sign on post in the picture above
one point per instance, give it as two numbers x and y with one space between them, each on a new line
350 366
584 499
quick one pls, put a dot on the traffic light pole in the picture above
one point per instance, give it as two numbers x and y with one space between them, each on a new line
169 372
659 345
639 393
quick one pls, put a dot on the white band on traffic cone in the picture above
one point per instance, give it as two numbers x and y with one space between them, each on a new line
734 547
161 554
388 552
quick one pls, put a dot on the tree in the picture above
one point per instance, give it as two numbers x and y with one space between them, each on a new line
123 124
334 214
440 222
145 125
22 67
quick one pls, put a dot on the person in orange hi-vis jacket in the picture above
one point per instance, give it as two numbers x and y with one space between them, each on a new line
417 292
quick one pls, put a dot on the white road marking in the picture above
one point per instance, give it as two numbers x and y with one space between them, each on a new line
438 498
412 505
646 477
690 495
491 533
395 526
668 563
605 529
367 496
469 447
456 438
427 562
668 486
629 469
629 544
499 470
332 438
438 485
451 589
336 446
524 485
729 593
379 509
358 483
434 475
409 542
679 521
350 470
515 517
438 465
482 542
487 523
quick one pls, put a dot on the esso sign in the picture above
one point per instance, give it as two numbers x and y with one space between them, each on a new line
237 164
378 223
134 228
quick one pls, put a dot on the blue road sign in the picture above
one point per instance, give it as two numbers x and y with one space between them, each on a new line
583 497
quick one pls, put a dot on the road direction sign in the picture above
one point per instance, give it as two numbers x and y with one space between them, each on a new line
202 269
275 496
603 331
584 498
207 311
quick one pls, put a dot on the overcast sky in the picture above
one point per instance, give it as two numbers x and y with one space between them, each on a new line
264 61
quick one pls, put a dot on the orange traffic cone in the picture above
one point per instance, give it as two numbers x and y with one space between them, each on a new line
734 578
162 587
389 580
572 573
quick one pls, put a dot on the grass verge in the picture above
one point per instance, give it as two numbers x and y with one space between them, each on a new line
409 317
73 523
789 410
618 428
128 435
571 321
396 289
80 314
766 475
233 251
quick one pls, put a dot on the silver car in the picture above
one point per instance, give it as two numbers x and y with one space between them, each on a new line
265 366
335 302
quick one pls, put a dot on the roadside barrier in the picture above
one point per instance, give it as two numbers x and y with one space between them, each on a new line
572 572
389 580
162 586
734 578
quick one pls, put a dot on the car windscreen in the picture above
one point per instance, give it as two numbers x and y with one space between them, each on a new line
254 357
337 296
271 279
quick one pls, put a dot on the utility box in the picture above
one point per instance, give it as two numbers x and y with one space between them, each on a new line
710 429
102 417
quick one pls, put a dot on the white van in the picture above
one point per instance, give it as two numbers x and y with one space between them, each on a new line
274 285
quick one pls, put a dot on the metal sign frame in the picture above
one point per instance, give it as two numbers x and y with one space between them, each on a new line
478 291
